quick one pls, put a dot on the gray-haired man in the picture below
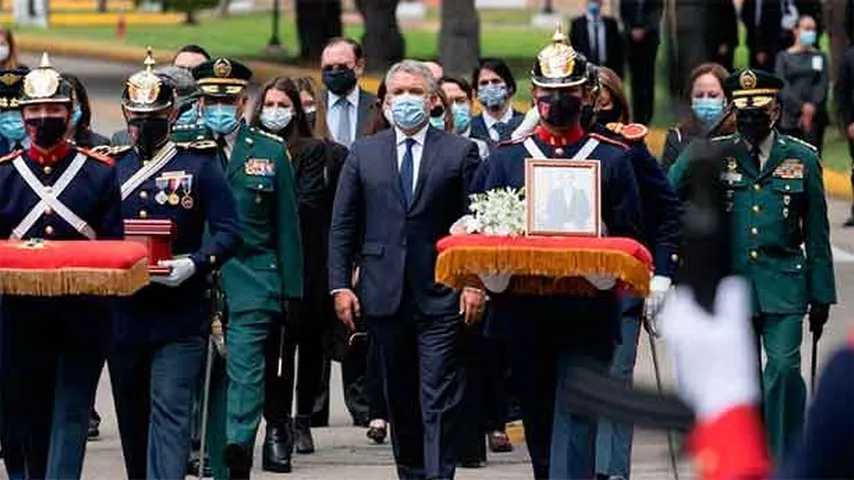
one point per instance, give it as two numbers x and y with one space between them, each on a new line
399 192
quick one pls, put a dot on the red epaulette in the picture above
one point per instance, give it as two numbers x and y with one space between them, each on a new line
96 156
10 156
633 132
603 138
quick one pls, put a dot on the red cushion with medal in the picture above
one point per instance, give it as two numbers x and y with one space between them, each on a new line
70 267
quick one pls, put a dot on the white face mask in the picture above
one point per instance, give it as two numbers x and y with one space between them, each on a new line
4 53
275 119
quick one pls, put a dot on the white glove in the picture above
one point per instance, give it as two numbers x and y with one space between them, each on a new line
496 283
182 269
715 355
529 123
601 282
659 287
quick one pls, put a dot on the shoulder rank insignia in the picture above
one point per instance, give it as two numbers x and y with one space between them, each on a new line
603 138
259 167
791 168
96 156
269 135
806 144
722 138
10 156
198 145
111 151
630 131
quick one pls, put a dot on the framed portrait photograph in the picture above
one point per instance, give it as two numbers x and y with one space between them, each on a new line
563 197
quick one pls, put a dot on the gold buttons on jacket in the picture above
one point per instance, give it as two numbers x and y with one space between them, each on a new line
756 209
754 254
143 195
48 211
757 187
47 169
754 231
143 214
48 230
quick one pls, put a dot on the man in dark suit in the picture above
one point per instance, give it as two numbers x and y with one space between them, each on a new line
348 107
399 192
762 19
641 23
349 110
597 36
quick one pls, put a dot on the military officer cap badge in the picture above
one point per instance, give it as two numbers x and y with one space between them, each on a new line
752 88
11 87
145 91
222 77
45 85
558 65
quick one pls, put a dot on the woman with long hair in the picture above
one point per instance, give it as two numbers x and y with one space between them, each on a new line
278 110
708 106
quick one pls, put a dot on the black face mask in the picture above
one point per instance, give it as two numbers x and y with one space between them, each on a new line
612 115
588 116
48 130
560 109
754 124
339 82
152 133
311 118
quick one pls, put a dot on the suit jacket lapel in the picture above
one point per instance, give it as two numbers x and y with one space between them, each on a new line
364 113
428 154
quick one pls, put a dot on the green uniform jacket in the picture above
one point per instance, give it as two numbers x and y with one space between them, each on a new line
774 213
268 267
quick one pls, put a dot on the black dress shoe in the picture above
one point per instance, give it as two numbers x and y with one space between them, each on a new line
238 460
193 466
850 222
303 441
377 434
94 424
278 445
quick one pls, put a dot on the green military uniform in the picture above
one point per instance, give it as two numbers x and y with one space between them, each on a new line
775 209
266 271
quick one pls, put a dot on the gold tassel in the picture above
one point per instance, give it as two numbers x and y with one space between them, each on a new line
542 270
75 281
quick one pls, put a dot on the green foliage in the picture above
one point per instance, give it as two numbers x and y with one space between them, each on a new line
188 5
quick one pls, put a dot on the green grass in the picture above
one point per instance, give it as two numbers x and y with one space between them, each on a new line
504 33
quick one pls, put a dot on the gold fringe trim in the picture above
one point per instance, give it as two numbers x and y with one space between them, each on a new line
542 271
75 281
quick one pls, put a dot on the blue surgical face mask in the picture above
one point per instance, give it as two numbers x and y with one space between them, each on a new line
189 116
462 117
708 110
438 122
12 125
807 37
409 111
221 118
76 114
275 119
593 8
492 95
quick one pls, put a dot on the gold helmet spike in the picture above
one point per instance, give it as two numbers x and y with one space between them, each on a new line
558 64
45 63
149 60
559 36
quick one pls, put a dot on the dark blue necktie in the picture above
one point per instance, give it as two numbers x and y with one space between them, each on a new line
407 171
503 131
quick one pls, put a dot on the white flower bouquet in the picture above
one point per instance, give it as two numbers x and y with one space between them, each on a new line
499 212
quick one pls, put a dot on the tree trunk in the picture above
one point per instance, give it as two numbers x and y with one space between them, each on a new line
222 8
317 22
382 42
102 6
190 18
459 37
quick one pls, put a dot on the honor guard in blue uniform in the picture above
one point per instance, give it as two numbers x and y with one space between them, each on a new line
552 333
267 270
53 348
160 331
661 210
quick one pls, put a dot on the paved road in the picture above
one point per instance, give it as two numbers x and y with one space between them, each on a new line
343 451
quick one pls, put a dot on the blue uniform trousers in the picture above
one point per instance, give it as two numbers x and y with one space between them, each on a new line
52 358
153 387
613 439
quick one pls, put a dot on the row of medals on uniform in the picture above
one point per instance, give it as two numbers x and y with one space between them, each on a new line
175 189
